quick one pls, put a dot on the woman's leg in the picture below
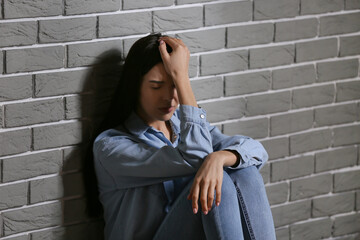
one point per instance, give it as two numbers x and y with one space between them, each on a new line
222 222
254 205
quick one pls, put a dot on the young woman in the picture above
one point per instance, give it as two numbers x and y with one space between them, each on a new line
163 172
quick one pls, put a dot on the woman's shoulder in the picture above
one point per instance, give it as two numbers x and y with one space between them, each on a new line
113 133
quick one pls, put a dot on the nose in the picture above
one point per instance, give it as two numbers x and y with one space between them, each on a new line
170 93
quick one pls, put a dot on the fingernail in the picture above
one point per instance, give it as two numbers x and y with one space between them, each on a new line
217 204
161 42
206 212
194 210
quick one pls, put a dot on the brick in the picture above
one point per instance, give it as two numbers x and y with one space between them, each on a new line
293 76
318 49
22 237
124 24
265 172
312 96
225 109
268 103
231 12
349 45
223 62
346 224
347 91
24 60
79 106
335 70
345 181
339 24
59 83
352 4
282 233
271 56
215 39
337 114
32 165
13 195
321 6
1 62
250 34
296 29
57 135
335 159
23 219
334 204
247 83
277 193
13 88
270 9
291 122
179 2
74 210
90 6
358 200
309 141
84 231
85 54
165 20
291 212
63 30
129 4
36 8
254 128
15 141
346 135
18 33
193 66
276 147
46 189
292 168
73 158
1 122
316 229
20 114
208 88
310 186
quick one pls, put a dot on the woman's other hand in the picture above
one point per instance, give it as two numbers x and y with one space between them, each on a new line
176 63
208 179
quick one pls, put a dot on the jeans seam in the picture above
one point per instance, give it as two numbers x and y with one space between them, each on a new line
245 212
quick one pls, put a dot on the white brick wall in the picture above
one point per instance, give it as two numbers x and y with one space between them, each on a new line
285 72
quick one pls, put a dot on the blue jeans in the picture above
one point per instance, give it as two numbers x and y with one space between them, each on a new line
244 212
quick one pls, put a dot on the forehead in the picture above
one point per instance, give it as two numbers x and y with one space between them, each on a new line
158 73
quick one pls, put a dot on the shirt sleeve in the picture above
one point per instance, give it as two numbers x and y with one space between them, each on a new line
131 162
251 151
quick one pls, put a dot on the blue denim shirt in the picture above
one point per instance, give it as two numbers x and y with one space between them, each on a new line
135 165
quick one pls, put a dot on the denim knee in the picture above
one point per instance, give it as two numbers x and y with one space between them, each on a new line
228 189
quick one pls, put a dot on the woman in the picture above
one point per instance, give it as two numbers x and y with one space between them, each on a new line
160 168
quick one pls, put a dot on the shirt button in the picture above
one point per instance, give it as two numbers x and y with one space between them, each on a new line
202 116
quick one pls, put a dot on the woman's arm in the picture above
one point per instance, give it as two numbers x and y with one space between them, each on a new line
130 162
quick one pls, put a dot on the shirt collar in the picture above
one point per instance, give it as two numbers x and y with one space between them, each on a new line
135 125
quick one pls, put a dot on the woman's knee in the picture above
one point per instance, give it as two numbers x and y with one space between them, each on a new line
228 189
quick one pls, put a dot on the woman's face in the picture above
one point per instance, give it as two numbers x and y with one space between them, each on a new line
158 96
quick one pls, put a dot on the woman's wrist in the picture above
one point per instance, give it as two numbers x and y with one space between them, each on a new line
230 158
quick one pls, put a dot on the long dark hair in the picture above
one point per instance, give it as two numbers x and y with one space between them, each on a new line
142 56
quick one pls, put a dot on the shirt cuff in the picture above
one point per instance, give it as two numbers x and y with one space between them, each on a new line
192 114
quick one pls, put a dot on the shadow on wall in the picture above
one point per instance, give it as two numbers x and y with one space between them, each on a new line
82 212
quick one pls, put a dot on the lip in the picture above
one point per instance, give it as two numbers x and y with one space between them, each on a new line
166 109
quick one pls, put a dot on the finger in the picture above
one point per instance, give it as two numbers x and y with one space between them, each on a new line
163 52
170 41
195 198
204 197
211 193
218 194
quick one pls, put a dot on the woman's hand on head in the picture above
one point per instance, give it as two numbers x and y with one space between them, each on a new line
176 63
